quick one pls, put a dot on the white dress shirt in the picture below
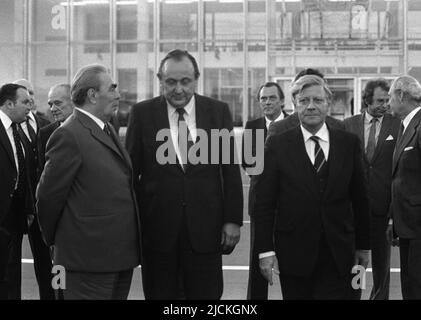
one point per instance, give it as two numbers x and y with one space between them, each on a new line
7 123
268 122
32 123
323 135
408 118
98 121
189 117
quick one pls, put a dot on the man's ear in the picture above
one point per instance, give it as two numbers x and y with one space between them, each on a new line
91 95
9 104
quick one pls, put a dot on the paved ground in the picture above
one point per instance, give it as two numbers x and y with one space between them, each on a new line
235 269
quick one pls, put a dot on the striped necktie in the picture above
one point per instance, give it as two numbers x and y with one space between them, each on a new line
319 156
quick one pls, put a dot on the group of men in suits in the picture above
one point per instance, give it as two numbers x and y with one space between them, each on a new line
328 196
329 192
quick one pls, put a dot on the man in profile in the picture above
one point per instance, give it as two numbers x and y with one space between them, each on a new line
405 208
85 197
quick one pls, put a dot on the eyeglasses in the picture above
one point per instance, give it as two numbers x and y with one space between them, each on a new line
306 101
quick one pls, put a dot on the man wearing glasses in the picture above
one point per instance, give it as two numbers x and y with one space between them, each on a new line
378 131
311 209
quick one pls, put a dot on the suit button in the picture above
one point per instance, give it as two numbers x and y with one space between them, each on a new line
11 195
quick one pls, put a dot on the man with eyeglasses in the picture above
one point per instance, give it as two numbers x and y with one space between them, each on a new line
311 210
378 132
271 100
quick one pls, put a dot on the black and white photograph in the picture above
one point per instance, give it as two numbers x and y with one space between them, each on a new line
212 155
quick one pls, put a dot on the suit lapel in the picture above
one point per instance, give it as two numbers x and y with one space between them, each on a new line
335 158
299 158
361 133
203 121
407 136
97 133
4 139
384 131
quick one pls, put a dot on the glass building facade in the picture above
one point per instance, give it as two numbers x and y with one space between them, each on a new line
239 44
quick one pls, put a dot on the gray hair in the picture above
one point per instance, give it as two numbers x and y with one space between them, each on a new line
308 81
86 78
407 85
65 86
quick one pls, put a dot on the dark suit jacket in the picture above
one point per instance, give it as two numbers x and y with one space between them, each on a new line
207 195
86 201
254 125
406 182
293 121
289 183
8 174
45 134
378 171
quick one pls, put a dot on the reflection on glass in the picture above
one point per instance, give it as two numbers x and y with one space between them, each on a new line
48 68
11 21
49 20
343 94
11 66
92 23
178 20
226 84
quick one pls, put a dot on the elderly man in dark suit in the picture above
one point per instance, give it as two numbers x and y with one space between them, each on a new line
313 175
271 99
85 197
405 209
377 131
16 198
61 107
191 211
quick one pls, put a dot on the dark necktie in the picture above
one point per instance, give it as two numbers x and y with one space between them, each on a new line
319 156
31 131
21 160
371 143
185 141
400 134
107 130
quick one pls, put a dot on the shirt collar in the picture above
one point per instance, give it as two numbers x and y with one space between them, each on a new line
31 116
280 117
323 133
189 107
368 118
98 121
7 122
409 117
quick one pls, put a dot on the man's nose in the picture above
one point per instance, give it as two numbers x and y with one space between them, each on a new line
178 87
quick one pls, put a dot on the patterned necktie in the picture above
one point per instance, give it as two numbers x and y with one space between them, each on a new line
21 160
185 141
319 156
371 143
